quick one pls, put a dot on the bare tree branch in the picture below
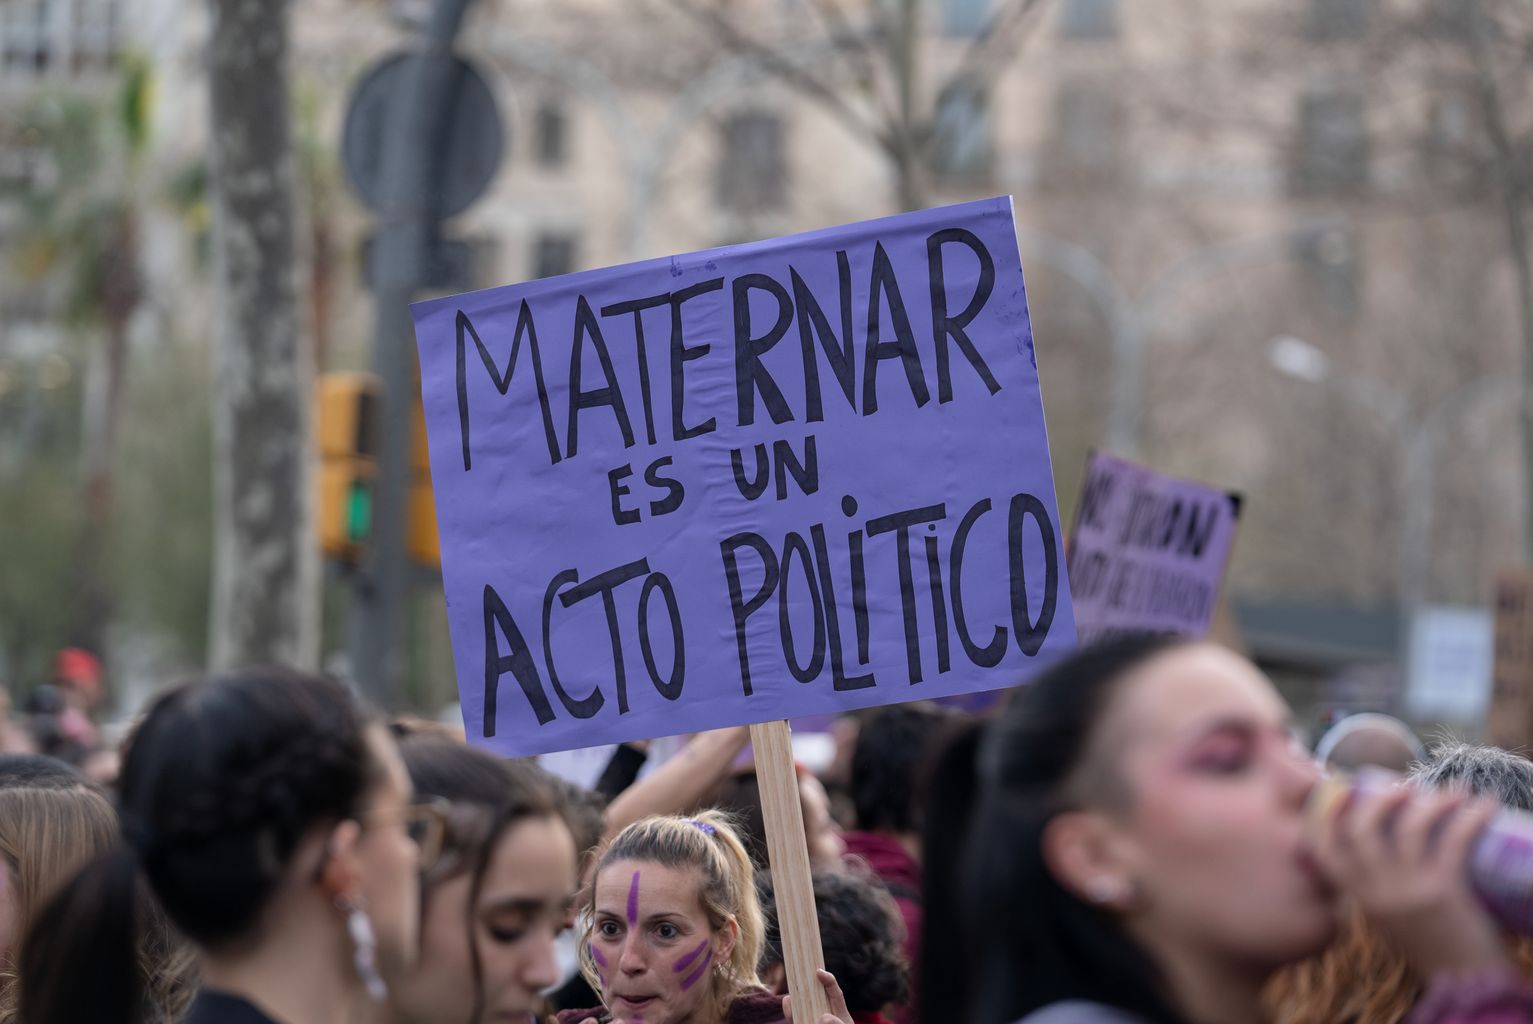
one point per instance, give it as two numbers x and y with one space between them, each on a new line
1514 195
866 68
791 73
989 48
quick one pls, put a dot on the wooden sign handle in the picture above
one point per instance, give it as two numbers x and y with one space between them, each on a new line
788 853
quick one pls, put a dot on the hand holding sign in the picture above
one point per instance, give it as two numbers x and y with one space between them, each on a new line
838 1014
784 479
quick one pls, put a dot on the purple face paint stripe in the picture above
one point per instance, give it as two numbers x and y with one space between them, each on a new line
596 955
697 975
633 901
686 961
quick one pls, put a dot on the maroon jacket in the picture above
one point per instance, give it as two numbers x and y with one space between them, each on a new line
759 1007
901 875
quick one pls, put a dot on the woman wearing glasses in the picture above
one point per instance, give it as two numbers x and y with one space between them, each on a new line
497 896
275 826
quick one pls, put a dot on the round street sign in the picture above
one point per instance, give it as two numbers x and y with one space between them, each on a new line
473 136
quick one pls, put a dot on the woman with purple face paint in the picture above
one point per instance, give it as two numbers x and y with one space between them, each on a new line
674 930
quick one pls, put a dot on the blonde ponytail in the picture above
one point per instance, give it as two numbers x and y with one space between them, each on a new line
739 881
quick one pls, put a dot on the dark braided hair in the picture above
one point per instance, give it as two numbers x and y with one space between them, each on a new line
219 783
222 780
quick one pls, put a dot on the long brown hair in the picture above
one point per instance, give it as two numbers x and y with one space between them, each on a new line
46 835
1360 979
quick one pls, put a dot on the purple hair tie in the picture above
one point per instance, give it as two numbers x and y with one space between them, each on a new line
702 826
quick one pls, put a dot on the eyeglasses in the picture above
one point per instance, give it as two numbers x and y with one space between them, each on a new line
467 829
425 822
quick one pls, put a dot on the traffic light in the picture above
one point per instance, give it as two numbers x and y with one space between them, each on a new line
346 424
421 539
346 427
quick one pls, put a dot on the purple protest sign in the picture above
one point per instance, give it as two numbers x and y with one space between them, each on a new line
772 480
1148 551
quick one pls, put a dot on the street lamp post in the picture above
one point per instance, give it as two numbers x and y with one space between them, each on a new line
1131 317
409 214
1419 439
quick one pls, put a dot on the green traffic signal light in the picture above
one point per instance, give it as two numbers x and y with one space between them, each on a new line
359 512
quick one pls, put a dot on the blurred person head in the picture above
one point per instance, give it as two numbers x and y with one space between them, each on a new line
1369 740
740 797
271 821
37 771
861 934
1484 771
894 745
675 928
1325 987
55 726
52 822
77 673
499 893
46 833
1129 831
13 738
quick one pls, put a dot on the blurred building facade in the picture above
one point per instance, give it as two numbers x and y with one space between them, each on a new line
1203 176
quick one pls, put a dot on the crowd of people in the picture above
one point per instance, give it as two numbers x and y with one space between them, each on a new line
1131 837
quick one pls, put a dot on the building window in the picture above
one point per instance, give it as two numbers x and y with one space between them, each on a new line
1339 19
40 37
552 134
1457 19
1088 19
752 171
553 254
965 17
1330 265
1454 149
1087 142
1331 154
961 132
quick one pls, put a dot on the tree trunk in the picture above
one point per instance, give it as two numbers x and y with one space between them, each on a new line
120 292
265 606
1514 195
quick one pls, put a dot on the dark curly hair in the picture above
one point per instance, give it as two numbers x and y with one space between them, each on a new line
861 934
219 783
894 745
